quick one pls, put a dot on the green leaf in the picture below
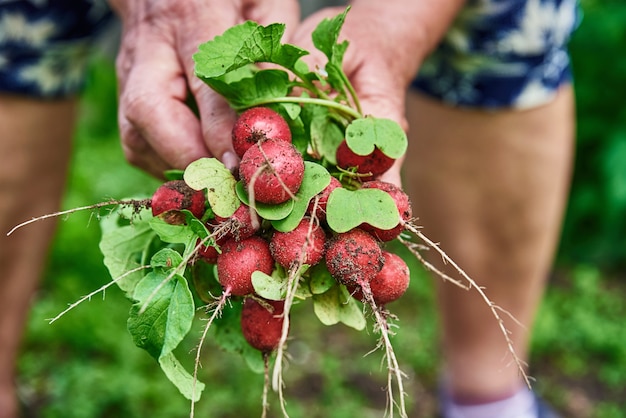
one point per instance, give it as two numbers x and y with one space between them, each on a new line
205 282
336 305
166 258
177 374
321 279
165 322
324 132
325 37
347 209
272 287
228 335
173 174
362 135
126 247
244 44
168 314
315 179
326 34
262 87
265 211
219 182
173 234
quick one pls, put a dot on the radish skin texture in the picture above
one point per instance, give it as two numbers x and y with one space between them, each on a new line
353 257
286 247
258 124
239 259
242 226
176 195
389 284
322 202
207 253
262 323
373 164
403 204
268 161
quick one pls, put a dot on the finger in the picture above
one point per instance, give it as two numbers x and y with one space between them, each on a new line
216 116
139 153
275 11
152 107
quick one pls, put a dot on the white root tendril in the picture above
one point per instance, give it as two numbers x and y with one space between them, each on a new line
393 367
217 307
95 292
471 284
134 203
293 280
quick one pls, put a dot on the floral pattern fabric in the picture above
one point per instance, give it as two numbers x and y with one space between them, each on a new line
502 53
498 53
45 44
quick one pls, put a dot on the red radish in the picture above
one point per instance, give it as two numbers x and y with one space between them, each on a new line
237 262
239 225
207 252
389 284
274 169
371 165
286 247
262 323
257 124
176 195
320 213
354 257
402 203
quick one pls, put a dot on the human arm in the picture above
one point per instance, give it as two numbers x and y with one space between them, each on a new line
155 72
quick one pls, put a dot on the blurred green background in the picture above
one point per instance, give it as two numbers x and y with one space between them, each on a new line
86 366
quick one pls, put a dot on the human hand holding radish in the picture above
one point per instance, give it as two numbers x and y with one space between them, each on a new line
388 41
159 129
305 219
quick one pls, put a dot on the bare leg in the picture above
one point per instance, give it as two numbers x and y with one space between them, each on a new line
35 147
491 189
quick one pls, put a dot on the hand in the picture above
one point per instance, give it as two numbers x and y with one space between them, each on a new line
156 75
388 40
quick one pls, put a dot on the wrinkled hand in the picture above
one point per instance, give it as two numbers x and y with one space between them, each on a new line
378 72
156 75
387 45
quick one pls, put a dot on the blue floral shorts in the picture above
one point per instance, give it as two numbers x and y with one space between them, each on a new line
502 53
498 53
45 45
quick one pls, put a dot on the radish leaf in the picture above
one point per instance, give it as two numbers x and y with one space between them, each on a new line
165 322
325 37
252 91
228 336
321 279
177 374
362 135
337 305
272 287
243 44
126 247
265 211
315 179
347 209
219 182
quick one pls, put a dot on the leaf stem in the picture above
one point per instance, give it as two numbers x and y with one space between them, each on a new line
355 97
341 108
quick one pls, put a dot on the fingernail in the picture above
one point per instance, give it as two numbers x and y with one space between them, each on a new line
230 160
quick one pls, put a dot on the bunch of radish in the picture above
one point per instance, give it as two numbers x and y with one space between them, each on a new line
304 218
251 250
